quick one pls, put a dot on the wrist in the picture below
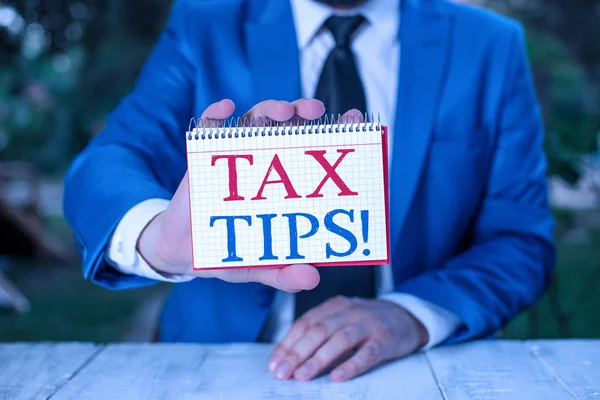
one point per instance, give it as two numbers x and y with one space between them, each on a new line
422 333
154 250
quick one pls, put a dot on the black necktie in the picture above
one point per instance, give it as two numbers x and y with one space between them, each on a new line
340 89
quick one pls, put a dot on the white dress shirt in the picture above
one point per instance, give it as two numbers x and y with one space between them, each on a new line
377 53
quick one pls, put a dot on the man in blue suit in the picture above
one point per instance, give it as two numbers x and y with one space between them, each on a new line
471 231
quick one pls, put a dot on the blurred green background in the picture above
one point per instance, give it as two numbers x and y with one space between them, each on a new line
65 64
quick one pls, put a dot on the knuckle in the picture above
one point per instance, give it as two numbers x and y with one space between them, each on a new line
318 331
347 337
280 351
293 357
302 325
334 302
357 309
385 333
371 353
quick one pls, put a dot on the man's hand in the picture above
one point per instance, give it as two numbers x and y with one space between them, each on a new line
369 332
166 242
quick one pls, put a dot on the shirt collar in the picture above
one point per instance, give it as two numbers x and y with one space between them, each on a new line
310 15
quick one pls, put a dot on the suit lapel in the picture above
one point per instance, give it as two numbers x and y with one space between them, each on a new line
425 40
272 51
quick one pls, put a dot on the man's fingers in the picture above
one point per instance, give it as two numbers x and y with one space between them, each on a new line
312 316
220 110
339 344
309 109
303 324
367 357
270 109
290 279
290 358
353 116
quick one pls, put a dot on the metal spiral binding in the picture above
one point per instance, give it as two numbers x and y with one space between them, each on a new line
204 128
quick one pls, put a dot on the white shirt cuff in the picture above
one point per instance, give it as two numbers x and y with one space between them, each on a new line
439 322
122 254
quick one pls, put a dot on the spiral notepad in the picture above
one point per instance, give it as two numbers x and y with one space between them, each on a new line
271 195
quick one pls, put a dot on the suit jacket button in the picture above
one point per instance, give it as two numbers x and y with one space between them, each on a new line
265 297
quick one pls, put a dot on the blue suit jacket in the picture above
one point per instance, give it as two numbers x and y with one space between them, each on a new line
471 229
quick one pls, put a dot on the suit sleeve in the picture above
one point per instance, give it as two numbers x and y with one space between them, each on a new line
138 156
511 258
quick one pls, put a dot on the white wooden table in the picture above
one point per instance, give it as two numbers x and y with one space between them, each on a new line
493 369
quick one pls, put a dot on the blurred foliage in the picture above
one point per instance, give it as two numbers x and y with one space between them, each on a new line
568 309
565 53
64 65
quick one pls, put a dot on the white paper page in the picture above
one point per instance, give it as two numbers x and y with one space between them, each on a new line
290 221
